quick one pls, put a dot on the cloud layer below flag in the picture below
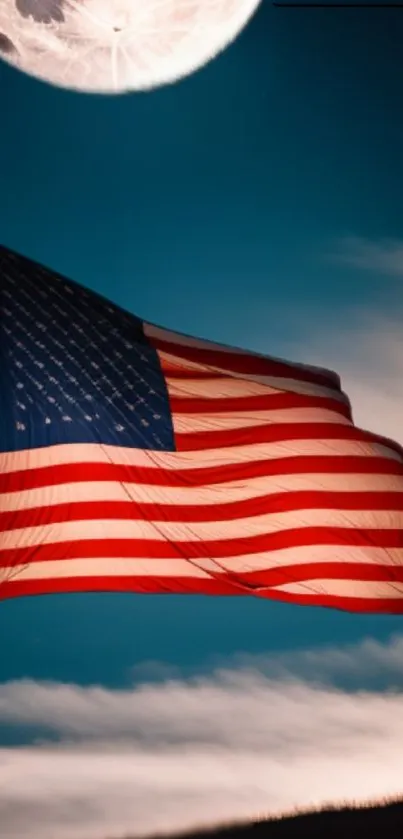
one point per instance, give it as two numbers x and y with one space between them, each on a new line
252 737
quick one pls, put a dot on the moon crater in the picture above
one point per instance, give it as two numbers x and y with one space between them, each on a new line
112 46
41 11
6 45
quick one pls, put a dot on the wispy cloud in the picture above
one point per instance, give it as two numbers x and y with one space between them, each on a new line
384 255
252 737
366 348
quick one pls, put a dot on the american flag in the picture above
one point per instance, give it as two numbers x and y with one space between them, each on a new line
137 459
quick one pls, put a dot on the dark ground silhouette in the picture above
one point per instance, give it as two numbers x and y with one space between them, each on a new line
382 820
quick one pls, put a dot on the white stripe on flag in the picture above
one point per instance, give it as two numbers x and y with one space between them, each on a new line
203 566
213 494
225 388
200 531
98 453
114 567
279 383
169 363
194 423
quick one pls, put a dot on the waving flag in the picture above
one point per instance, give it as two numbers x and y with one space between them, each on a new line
137 459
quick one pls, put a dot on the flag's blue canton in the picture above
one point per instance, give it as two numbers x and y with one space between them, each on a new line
74 368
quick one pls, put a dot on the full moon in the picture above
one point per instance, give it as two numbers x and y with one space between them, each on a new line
113 46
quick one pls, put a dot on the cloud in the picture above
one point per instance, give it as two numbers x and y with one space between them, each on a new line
384 256
363 343
365 347
377 665
250 738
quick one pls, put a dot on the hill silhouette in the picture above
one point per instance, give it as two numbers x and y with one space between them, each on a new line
381 819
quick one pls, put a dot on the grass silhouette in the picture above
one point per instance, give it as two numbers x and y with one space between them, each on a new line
383 818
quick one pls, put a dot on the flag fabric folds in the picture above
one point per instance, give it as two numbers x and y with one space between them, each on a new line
137 459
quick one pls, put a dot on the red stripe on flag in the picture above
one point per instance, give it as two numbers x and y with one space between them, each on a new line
202 549
362 605
214 587
198 477
246 404
309 571
132 510
129 585
248 364
274 433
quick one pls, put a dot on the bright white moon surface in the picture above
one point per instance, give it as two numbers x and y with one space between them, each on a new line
112 46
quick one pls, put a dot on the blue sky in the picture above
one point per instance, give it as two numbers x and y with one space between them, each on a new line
257 202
